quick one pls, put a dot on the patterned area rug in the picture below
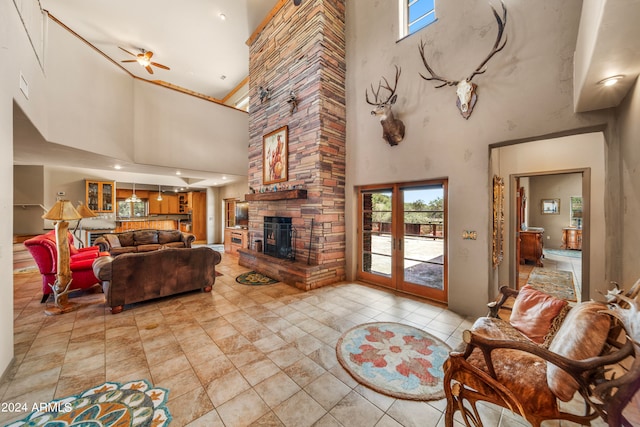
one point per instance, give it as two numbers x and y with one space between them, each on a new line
558 283
563 252
255 279
394 359
136 404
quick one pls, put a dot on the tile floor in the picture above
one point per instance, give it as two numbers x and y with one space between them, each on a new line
238 356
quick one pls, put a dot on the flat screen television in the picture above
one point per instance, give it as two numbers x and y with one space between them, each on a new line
242 214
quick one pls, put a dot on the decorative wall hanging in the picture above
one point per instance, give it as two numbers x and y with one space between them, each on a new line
275 152
465 89
293 102
498 220
550 206
264 94
392 128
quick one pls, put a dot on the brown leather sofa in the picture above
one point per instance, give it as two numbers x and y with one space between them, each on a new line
143 241
136 277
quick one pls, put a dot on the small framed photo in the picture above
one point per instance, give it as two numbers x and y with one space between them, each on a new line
550 206
275 156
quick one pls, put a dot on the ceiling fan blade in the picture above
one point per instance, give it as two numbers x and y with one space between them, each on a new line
148 68
132 54
155 64
129 60
148 54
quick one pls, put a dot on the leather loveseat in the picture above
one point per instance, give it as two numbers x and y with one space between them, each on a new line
136 277
143 241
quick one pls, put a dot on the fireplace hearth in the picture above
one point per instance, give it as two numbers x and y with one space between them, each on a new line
278 235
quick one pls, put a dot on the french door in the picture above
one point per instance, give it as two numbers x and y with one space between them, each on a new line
402 235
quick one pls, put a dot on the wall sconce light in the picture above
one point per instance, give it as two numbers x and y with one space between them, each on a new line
265 94
610 81
293 102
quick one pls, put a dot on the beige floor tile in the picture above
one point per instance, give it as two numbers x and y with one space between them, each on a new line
414 413
179 383
300 410
226 387
327 390
354 410
242 410
285 356
189 406
276 389
304 371
259 370
210 419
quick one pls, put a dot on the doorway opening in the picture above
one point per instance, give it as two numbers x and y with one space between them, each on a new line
550 227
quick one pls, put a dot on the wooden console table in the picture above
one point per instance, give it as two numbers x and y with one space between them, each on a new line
572 238
531 247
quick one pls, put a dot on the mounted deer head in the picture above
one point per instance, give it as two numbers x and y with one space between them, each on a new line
466 90
392 128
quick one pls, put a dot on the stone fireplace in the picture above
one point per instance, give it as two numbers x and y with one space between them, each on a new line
306 57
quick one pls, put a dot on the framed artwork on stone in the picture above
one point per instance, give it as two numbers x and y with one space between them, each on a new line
275 156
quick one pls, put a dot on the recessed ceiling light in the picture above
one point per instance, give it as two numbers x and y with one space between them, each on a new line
610 81
118 167
178 173
222 16
224 177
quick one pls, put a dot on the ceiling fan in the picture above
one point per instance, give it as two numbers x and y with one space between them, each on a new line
144 59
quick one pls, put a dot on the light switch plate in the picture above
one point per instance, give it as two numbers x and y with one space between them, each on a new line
469 235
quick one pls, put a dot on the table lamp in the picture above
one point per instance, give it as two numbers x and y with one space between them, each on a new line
62 212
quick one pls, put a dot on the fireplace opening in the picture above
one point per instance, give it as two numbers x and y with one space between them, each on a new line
278 233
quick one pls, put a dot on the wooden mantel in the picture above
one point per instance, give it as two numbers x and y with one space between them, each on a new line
277 195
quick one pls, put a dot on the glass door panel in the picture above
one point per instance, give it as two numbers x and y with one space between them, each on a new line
377 239
423 248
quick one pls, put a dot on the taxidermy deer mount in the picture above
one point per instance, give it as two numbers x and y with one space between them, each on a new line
465 89
392 128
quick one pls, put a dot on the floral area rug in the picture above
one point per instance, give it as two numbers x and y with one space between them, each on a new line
255 279
558 283
136 404
394 359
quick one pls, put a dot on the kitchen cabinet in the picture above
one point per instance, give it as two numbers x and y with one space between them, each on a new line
572 238
198 209
168 204
185 202
234 239
99 196
531 247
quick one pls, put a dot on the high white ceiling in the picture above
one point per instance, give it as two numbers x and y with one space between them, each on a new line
206 54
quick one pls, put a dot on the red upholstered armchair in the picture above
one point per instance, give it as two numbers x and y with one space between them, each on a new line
44 251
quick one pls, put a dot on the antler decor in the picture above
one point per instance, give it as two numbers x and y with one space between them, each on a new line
392 128
466 90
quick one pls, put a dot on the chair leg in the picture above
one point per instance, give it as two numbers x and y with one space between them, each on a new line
44 299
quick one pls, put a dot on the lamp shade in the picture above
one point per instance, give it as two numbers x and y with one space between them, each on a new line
63 210
85 212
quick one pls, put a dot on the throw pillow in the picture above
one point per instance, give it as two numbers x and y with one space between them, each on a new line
113 240
582 335
533 313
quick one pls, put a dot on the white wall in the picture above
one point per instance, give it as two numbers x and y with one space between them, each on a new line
176 130
630 179
526 91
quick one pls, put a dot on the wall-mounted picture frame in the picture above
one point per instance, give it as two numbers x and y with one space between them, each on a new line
275 156
550 207
498 220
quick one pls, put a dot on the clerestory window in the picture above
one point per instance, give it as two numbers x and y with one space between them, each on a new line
415 15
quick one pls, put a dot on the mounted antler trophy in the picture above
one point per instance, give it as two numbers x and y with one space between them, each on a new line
466 90
392 128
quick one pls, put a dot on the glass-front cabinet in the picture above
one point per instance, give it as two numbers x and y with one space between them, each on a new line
100 196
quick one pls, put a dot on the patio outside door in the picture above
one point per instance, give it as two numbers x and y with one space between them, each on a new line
402 235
